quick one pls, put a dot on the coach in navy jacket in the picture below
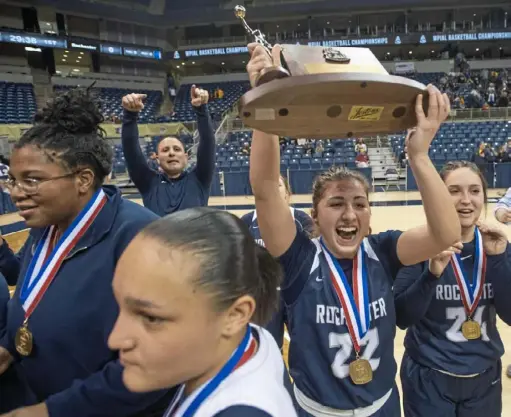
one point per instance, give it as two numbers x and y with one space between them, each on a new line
172 187
72 369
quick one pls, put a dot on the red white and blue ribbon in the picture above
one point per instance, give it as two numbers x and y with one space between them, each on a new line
354 303
471 290
46 262
187 407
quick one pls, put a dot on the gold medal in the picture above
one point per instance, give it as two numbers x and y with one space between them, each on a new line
471 330
24 340
361 372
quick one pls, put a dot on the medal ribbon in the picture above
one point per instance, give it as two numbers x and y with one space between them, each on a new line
181 407
46 263
355 304
471 292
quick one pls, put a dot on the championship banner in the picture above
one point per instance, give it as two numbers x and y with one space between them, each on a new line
112 131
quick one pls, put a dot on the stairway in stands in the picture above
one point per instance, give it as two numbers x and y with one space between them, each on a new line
381 159
43 88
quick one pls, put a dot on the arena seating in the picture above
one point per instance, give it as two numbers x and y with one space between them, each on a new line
459 140
150 147
454 141
17 103
183 108
111 102
230 157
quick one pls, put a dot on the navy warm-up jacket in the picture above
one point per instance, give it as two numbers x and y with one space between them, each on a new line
71 367
161 194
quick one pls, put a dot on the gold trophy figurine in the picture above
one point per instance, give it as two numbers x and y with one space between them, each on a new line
322 92
268 74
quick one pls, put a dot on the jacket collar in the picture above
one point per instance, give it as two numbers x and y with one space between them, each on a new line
100 227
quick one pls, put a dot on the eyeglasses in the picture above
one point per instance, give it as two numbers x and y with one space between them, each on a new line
30 186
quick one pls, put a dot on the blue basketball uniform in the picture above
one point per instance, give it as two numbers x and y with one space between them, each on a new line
303 222
321 348
440 361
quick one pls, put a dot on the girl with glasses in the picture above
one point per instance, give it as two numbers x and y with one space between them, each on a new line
63 309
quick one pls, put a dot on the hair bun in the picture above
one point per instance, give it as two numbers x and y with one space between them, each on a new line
74 111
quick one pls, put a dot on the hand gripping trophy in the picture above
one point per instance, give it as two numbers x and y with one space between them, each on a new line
326 92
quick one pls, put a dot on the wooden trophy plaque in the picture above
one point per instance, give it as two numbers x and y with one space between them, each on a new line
324 92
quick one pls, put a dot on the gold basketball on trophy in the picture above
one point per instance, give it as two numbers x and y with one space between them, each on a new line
326 92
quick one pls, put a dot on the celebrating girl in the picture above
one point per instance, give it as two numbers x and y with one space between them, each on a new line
450 304
338 288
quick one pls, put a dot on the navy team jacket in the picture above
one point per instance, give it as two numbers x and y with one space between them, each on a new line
71 367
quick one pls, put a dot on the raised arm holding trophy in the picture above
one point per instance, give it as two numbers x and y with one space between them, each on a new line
321 92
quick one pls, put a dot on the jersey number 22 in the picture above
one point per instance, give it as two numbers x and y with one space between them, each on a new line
343 342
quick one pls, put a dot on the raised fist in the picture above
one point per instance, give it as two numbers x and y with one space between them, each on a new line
198 96
134 102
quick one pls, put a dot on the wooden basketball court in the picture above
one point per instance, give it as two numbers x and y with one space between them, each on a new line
391 210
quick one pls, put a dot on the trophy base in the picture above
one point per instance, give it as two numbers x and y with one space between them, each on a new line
333 105
270 74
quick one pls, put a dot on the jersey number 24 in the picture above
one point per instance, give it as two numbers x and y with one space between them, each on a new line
459 316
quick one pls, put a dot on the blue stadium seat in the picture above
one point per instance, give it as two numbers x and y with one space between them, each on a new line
17 103
111 98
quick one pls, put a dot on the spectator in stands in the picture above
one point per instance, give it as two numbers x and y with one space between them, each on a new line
57 329
245 150
403 158
171 87
153 162
502 155
478 157
173 188
6 204
362 160
361 147
503 100
282 143
491 94
503 215
4 168
490 155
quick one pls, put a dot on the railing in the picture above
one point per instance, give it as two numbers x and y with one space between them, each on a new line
231 123
479 114
493 113
223 129
220 134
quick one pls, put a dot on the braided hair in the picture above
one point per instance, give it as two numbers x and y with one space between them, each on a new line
68 131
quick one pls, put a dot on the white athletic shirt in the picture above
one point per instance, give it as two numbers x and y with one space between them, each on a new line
257 386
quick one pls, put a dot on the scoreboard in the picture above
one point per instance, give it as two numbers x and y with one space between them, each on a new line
41 41
46 41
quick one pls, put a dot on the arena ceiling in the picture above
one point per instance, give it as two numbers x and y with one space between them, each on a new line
178 13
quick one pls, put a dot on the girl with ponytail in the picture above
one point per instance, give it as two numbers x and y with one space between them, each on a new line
189 286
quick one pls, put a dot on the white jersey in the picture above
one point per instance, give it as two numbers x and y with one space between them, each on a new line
259 383
4 171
